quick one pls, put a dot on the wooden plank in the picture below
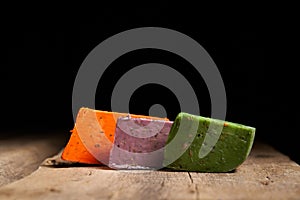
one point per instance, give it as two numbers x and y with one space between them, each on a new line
266 174
21 155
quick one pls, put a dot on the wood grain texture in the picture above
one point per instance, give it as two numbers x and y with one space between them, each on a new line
20 156
266 174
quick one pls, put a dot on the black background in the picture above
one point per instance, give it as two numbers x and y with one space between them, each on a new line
43 52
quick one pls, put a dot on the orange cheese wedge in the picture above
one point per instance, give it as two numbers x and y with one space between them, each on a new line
93 136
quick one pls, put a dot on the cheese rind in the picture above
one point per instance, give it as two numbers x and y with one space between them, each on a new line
139 143
232 147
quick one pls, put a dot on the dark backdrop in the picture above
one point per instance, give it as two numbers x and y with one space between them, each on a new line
42 54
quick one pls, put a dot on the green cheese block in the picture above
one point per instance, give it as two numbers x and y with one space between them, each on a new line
203 144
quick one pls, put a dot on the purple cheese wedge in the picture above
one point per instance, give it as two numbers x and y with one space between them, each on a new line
139 143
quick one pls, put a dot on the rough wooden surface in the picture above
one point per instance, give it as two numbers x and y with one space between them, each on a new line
20 156
266 174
